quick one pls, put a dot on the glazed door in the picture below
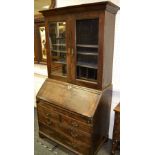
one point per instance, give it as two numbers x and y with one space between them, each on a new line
58 45
86 47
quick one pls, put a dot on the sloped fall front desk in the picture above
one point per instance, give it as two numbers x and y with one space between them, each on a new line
74 117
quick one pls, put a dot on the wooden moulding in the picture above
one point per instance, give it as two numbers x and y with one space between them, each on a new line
110 7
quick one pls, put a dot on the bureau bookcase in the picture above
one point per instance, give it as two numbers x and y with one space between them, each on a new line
74 102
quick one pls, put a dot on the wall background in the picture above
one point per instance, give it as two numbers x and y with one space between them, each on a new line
116 60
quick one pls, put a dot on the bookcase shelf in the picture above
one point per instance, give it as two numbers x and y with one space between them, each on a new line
58 51
88 53
59 44
84 45
87 65
60 62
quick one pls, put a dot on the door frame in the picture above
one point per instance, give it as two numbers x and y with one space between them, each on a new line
81 16
61 18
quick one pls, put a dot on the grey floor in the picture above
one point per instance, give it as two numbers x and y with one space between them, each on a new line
44 147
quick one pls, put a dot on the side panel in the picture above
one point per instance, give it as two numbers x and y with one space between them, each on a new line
102 118
109 28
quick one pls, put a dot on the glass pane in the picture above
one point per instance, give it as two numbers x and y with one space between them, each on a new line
43 42
87 49
57 32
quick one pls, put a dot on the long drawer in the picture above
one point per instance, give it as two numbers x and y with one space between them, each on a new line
53 107
56 135
73 133
69 131
63 117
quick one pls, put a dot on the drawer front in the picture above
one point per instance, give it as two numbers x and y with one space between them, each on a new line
64 111
58 136
65 125
63 116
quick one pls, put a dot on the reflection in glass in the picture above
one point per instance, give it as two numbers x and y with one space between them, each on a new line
43 42
57 32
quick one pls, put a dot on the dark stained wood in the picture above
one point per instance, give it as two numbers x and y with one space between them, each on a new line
48 49
101 50
63 18
73 47
105 13
110 7
36 58
71 97
109 28
116 130
77 117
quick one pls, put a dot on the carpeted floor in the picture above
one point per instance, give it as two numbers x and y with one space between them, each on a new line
44 147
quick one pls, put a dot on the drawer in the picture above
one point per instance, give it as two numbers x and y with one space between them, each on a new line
62 116
58 136
66 126
65 112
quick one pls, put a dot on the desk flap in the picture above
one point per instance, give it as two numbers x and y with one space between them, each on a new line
72 97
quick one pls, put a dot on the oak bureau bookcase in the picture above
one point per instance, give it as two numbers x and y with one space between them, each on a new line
74 103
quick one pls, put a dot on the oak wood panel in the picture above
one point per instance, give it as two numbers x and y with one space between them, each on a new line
109 29
74 144
77 131
102 117
110 7
71 97
66 129
67 118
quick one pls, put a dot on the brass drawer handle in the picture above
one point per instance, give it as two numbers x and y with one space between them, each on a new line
75 124
48 115
73 144
73 134
49 122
